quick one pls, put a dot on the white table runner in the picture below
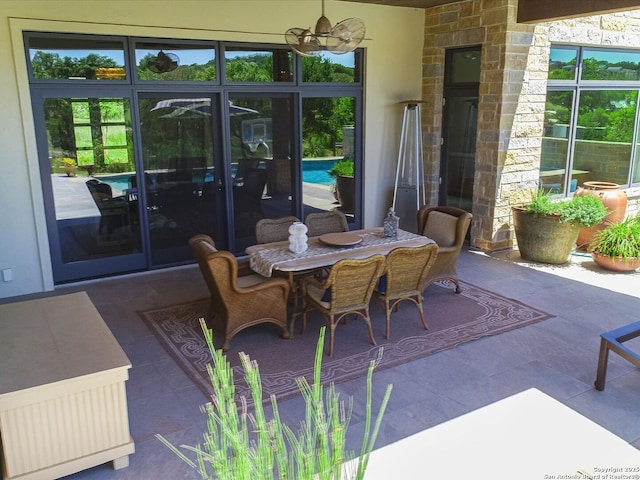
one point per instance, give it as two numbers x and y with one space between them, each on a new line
265 258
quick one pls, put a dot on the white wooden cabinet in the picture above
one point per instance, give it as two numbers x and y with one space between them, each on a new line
63 403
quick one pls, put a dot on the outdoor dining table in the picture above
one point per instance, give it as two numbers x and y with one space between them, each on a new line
268 258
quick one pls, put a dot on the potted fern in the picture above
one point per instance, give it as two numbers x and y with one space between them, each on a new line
546 230
617 246
240 444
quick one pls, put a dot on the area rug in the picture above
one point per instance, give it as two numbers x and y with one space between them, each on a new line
452 320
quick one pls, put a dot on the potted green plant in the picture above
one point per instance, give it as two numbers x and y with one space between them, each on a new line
241 444
69 166
546 230
343 172
617 246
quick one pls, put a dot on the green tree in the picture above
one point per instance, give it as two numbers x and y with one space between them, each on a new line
51 65
252 68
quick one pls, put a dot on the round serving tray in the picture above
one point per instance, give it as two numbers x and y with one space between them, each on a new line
340 239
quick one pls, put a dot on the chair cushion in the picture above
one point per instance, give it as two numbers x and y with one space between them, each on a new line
318 295
326 296
381 288
251 280
441 228
208 247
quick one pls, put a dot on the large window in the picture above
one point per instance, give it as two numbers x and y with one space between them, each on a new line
145 142
591 118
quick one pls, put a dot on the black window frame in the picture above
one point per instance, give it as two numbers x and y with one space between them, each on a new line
577 85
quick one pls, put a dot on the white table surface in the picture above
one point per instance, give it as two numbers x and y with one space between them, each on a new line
528 436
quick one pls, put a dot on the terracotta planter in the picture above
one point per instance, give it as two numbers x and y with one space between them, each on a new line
612 197
544 238
617 264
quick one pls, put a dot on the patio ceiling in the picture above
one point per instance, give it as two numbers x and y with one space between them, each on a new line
532 11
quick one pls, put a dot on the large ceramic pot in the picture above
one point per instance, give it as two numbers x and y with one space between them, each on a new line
617 264
613 198
346 189
544 238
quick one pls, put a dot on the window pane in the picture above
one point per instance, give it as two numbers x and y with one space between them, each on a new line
179 175
562 63
252 65
261 163
328 67
465 66
95 209
636 167
555 142
604 134
76 59
160 61
328 138
604 65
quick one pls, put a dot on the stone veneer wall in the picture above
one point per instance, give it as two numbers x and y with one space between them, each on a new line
513 85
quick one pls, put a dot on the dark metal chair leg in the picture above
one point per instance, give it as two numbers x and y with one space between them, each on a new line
602 364
614 340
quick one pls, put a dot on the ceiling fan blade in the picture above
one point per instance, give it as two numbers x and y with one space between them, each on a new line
303 42
346 36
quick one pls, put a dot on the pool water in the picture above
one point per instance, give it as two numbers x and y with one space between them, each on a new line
317 171
313 171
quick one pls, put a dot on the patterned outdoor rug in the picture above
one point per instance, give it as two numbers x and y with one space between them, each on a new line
452 319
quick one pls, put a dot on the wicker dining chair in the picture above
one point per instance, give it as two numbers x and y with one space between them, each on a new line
406 270
238 302
447 226
346 290
274 229
326 222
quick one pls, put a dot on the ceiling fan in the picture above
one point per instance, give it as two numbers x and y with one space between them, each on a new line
164 62
344 37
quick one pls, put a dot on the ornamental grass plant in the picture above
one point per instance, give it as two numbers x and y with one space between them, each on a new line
618 240
241 443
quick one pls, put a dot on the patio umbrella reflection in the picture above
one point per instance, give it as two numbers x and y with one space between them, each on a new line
185 107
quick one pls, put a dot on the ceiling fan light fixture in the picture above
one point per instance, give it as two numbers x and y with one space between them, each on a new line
342 38
323 27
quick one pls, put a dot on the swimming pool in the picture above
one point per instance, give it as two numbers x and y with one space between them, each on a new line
313 171
317 171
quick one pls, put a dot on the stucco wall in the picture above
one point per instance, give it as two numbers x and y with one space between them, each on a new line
393 73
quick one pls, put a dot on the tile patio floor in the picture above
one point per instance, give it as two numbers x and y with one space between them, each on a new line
558 356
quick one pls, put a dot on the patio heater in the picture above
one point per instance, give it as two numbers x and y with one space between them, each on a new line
409 193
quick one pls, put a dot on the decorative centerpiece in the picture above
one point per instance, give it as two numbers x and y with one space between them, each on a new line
298 237
391 224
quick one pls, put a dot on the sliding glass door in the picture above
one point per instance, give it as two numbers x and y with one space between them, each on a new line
144 143
180 183
94 216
